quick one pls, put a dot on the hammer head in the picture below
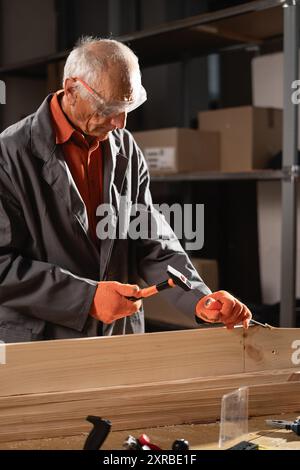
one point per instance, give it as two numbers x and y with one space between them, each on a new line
179 279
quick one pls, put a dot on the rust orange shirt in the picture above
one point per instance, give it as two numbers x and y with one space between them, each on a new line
84 160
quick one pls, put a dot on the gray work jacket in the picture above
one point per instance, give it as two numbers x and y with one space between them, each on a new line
49 266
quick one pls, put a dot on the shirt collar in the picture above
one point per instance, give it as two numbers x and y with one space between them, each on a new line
63 128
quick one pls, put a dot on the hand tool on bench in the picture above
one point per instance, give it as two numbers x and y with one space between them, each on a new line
282 424
141 443
100 431
216 305
180 445
176 278
144 443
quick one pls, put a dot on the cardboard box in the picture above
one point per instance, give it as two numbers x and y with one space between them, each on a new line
267 82
250 136
178 150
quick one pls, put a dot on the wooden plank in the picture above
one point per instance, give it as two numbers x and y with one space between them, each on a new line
202 383
78 364
48 388
294 377
146 406
35 431
274 398
123 360
276 348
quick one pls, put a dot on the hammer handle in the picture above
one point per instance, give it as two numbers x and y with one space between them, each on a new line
152 290
147 292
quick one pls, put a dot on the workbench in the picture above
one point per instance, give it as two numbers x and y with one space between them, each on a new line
149 383
200 437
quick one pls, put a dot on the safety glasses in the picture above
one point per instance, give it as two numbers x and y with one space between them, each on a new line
114 108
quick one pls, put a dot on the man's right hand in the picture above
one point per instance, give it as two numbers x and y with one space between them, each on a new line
110 302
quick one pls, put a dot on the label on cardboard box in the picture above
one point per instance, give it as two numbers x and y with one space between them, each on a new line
161 158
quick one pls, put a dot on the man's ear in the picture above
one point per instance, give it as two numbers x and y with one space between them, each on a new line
70 91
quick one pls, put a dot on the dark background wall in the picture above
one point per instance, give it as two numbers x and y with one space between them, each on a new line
33 29
176 92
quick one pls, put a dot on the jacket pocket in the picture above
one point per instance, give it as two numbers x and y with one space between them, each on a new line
14 334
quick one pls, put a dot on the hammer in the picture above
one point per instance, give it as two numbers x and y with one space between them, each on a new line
175 279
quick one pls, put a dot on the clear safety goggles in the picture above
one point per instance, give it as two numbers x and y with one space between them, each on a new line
117 107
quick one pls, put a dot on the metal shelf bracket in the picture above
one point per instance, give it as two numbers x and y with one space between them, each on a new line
289 163
291 173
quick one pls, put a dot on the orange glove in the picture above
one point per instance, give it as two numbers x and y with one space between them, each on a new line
223 307
110 301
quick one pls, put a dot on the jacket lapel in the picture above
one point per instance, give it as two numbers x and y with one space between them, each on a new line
115 166
57 175
55 170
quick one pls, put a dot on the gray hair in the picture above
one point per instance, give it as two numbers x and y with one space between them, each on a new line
91 56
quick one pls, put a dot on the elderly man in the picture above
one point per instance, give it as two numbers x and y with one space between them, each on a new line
72 156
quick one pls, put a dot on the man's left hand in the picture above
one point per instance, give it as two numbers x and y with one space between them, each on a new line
222 307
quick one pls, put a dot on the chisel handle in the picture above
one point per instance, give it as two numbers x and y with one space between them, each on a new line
212 304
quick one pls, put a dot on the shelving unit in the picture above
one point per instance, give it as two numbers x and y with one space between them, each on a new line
262 24
258 175
265 24
247 25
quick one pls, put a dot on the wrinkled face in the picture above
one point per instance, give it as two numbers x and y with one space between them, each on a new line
106 106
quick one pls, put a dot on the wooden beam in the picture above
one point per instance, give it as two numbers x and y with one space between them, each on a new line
52 366
267 349
48 388
63 365
143 406
202 383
